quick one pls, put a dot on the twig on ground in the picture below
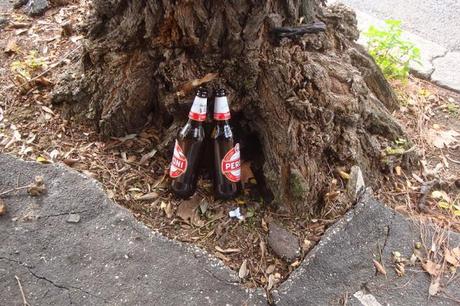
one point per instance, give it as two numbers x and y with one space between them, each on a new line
453 160
24 301
13 190
425 190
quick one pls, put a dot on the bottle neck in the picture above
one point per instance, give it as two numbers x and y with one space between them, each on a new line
194 123
222 122
221 109
198 111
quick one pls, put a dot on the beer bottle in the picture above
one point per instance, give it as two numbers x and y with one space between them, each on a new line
227 170
188 149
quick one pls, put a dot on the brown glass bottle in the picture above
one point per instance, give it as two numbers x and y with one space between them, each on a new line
227 169
188 149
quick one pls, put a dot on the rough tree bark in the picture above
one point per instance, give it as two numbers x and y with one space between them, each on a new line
313 103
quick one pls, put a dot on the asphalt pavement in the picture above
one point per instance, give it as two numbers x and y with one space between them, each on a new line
432 25
435 20
71 244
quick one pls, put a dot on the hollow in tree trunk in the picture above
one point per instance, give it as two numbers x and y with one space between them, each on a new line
312 102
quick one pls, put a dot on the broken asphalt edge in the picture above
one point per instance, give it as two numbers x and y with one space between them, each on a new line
340 267
294 291
54 173
329 235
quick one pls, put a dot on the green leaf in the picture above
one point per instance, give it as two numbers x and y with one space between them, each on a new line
392 54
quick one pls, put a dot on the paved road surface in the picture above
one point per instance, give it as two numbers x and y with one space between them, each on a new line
435 20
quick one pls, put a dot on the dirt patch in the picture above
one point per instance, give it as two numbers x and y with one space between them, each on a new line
133 169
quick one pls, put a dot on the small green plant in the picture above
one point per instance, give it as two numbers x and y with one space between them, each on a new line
392 53
453 108
29 65
399 147
445 202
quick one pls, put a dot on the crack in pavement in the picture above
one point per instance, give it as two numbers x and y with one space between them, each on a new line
65 213
219 279
432 62
388 230
67 288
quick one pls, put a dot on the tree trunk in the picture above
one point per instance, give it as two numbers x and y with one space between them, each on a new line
312 103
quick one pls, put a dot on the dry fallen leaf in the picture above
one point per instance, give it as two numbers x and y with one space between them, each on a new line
344 175
11 46
147 156
187 209
413 259
149 196
243 272
246 172
222 256
453 256
432 268
264 225
440 195
168 209
434 286
43 160
42 81
227 251
35 190
196 220
441 139
189 86
295 264
2 207
89 174
263 249
380 268
307 245
47 109
400 268
270 269
271 282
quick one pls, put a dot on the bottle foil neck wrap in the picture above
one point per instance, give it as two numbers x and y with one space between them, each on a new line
198 110
221 109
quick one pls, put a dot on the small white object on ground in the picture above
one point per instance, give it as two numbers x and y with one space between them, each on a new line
236 213
366 299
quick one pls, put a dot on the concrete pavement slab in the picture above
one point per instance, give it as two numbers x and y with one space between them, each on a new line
340 268
72 245
447 71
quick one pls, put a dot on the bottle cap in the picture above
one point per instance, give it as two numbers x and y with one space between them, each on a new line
202 92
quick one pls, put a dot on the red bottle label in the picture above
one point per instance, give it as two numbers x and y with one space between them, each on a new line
179 162
231 165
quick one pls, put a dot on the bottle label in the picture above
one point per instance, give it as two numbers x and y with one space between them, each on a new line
221 109
231 165
198 110
179 162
